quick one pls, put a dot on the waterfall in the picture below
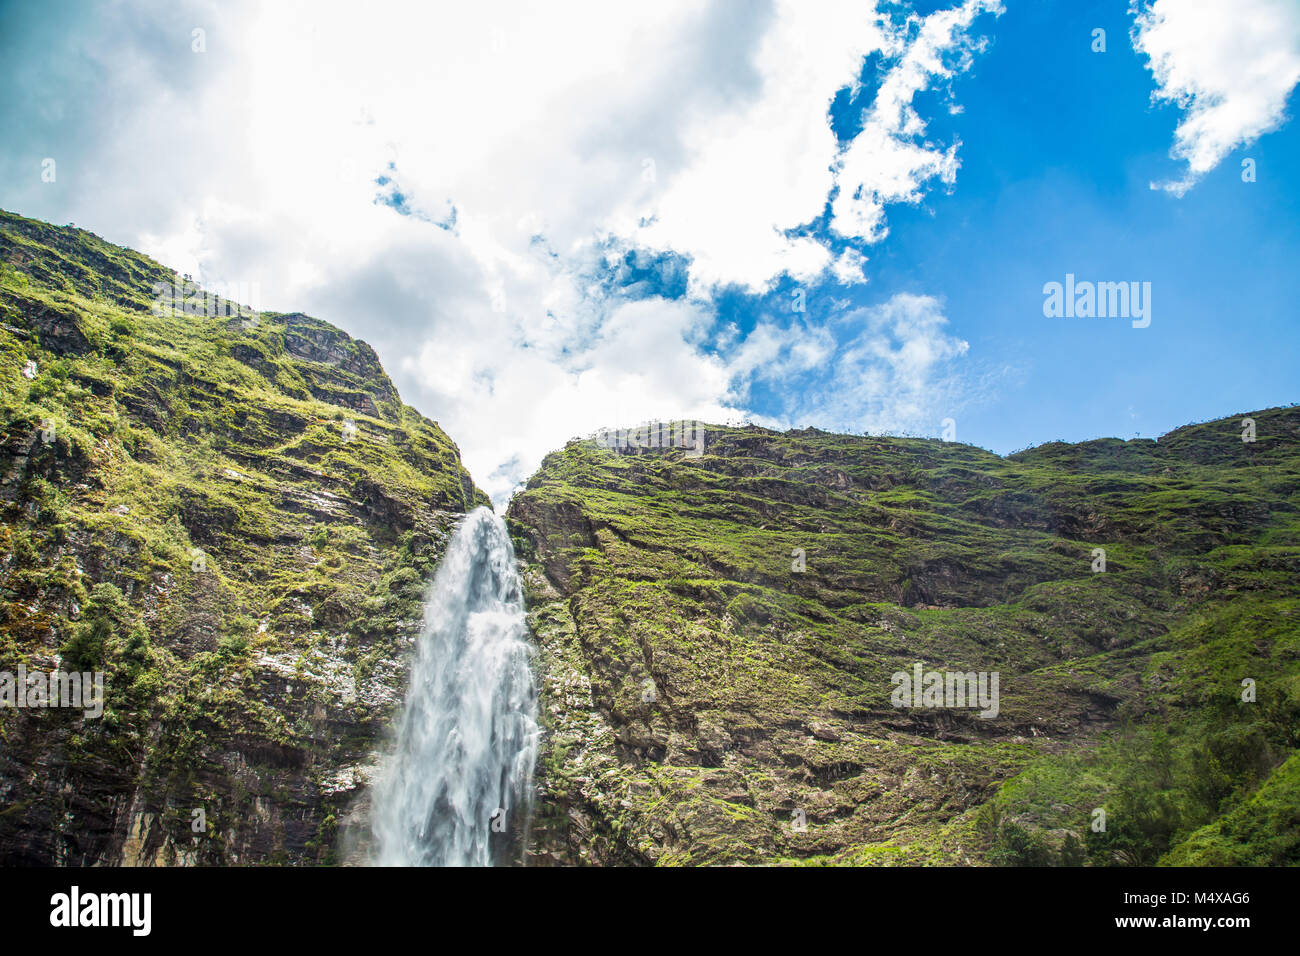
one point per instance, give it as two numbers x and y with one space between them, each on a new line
456 790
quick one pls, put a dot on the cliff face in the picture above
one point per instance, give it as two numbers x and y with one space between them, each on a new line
718 637
233 518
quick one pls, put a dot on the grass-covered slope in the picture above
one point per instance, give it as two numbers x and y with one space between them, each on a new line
717 637
234 520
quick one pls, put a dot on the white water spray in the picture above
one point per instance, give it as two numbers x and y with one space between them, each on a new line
456 792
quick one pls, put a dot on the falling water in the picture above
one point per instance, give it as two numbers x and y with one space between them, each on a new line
456 790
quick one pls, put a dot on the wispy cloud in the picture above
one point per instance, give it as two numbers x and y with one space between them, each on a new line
886 368
891 161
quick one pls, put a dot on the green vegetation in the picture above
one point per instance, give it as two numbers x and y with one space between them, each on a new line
235 521
182 507
765 593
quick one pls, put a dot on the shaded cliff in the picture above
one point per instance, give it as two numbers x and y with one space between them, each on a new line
234 518
718 635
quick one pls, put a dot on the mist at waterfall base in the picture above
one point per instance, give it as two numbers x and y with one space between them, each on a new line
456 790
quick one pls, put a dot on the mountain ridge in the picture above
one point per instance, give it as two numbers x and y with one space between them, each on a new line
718 634
234 517
236 520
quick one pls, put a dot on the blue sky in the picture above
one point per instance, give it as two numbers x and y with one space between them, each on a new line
1059 147
551 221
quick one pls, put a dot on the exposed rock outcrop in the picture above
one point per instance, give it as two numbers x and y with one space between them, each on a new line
234 521
718 636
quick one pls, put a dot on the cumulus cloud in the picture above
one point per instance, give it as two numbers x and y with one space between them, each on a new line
755 175
751 174
468 186
1228 66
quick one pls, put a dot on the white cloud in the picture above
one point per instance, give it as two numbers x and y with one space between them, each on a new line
850 267
768 168
753 172
895 374
889 367
890 161
1229 66
254 162
640 366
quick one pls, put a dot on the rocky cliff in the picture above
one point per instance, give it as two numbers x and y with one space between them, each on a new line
233 516
718 636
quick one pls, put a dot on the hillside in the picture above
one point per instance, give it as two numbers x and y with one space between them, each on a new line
234 517
718 636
